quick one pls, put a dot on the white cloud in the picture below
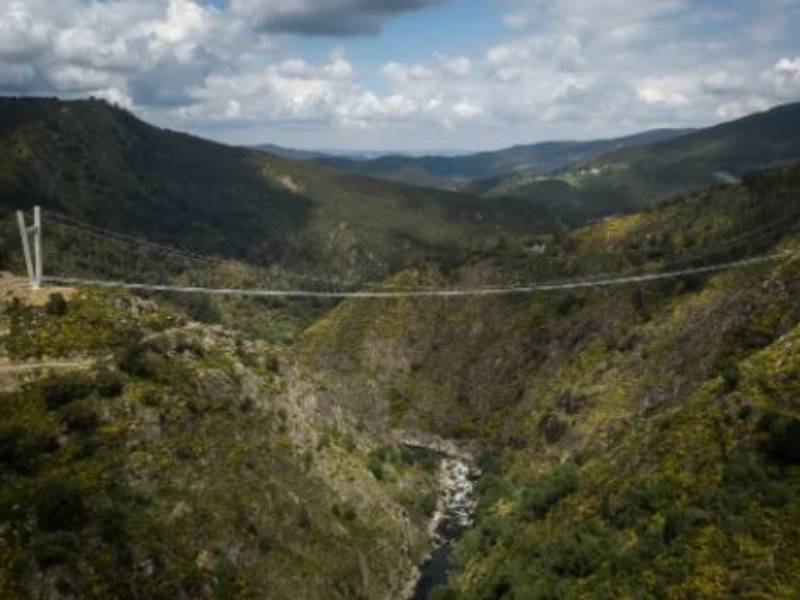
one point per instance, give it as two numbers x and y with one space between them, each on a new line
74 78
789 67
340 69
565 68
668 91
468 110
784 77
22 34
114 96
405 73
745 106
723 82
456 66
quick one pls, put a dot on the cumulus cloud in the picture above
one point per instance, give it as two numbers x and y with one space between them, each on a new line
564 68
667 91
456 66
744 106
785 77
22 35
290 90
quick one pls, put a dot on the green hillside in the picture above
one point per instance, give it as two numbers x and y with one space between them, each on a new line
643 175
144 455
459 172
639 441
101 164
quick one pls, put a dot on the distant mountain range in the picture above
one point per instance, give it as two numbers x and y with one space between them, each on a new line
356 155
642 175
454 172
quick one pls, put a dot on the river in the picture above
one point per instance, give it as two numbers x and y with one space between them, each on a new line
455 512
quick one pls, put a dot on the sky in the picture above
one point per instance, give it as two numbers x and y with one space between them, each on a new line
408 75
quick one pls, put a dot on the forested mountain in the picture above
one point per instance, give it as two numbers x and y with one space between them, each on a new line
457 172
100 164
641 176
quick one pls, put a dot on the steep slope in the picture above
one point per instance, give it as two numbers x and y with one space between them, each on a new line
100 164
720 153
458 172
638 440
152 457
643 175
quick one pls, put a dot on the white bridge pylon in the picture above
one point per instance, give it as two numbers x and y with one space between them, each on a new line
33 260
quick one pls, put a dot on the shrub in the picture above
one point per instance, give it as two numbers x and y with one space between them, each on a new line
398 403
443 593
729 371
549 490
201 308
108 384
56 305
375 466
477 541
426 504
59 390
426 459
782 437
492 488
20 448
60 506
54 549
566 304
552 428
777 495
638 302
744 469
80 417
579 554
113 527
139 362
638 501
681 521
541 588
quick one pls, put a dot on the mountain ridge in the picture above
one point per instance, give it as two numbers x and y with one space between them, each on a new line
642 176
103 165
457 172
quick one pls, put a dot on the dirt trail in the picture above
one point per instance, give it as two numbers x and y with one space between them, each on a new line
14 374
7 367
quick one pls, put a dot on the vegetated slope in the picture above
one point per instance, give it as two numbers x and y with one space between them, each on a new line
184 462
101 164
762 140
640 441
458 172
643 175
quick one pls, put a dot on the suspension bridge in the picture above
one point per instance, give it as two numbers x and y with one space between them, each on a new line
32 250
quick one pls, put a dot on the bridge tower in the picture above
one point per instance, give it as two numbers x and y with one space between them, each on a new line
33 260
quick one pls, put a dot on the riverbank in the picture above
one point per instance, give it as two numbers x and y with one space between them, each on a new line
455 510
